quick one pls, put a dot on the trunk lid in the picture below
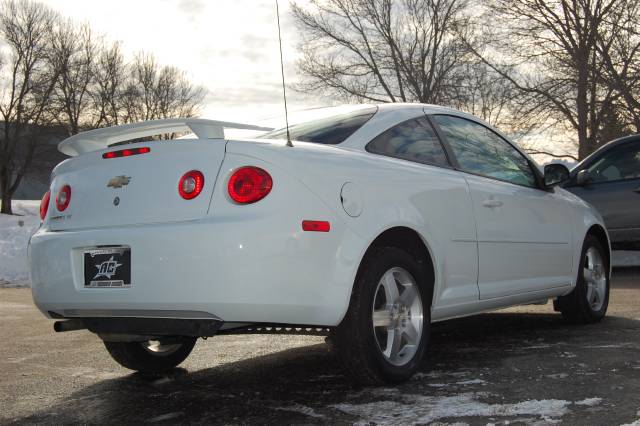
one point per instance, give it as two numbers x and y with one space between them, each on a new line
144 187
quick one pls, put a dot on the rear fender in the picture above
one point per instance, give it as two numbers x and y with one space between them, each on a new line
285 257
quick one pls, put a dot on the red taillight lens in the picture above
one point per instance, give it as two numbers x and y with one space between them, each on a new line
126 152
249 184
63 198
44 205
191 184
316 226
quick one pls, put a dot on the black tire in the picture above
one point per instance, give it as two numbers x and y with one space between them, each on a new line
575 307
354 339
135 356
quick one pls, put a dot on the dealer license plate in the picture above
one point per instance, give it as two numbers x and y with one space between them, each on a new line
107 267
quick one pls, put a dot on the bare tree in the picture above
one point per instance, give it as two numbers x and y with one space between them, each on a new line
25 27
140 99
382 50
177 97
110 76
618 44
548 50
73 55
479 90
154 92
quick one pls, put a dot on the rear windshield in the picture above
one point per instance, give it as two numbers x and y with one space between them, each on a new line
328 130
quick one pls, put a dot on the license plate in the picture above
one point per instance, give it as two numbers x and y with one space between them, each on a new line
107 268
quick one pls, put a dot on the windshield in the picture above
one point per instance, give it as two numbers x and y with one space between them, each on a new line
327 130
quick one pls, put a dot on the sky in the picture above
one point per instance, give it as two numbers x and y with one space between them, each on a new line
228 46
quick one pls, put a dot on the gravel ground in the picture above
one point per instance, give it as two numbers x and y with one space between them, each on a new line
522 365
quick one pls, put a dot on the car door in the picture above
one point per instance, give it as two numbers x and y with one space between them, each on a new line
441 195
524 232
613 188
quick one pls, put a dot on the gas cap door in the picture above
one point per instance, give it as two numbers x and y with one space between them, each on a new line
351 198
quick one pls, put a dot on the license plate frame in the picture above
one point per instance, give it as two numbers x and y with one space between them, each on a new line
107 267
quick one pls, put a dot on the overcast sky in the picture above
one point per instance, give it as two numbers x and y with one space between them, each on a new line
228 46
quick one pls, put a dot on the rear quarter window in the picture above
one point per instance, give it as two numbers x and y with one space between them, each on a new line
413 140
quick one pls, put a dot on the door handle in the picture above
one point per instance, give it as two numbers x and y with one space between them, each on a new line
637 190
492 203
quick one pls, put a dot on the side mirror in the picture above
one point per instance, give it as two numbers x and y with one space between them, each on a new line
583 177
555 174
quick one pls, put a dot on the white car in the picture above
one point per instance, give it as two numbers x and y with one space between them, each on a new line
375 222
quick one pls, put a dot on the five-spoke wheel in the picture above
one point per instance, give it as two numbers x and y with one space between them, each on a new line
397 316
595 277
384 335
589 300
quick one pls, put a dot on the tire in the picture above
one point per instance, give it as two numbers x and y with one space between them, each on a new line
151 357
363 348
588 301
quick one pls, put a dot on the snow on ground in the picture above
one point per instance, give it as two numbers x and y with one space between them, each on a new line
302 409
590 402
426 409
15 231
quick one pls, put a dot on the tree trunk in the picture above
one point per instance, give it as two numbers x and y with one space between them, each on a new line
6 204
5 184
582 108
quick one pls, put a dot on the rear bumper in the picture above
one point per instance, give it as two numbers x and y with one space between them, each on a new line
117 328
225 271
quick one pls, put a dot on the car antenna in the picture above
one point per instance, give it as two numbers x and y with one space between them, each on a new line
284 90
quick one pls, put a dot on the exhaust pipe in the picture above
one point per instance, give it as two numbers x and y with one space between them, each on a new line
69 325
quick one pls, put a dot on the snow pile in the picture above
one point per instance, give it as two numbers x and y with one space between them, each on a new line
426 409
590 402
15 231
302 409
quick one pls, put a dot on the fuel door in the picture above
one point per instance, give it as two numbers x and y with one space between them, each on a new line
351 198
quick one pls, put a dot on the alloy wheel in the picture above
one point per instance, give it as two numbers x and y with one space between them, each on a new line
397 316
595 278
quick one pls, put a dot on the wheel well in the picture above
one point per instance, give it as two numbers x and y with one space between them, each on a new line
599 232
410 241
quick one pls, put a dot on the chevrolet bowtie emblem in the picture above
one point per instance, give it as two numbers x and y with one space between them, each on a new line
118 181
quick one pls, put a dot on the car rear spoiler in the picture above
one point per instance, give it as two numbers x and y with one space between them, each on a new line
97 139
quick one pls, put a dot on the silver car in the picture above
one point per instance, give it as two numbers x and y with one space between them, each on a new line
609 179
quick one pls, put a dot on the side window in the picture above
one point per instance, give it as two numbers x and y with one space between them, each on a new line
481 151
619 163
413 140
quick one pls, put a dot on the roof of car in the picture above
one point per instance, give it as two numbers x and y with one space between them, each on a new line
429 108
607 146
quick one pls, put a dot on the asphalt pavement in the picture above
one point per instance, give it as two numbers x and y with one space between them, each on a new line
522 365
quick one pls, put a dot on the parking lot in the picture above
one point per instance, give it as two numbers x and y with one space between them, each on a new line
519 365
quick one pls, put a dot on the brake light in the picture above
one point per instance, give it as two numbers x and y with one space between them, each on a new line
126 152
44 205
249 185
316 225
63 198
191 184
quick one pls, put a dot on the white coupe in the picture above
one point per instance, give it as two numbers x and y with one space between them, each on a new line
373 223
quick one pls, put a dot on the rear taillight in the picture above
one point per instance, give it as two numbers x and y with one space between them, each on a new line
191 184
44 205
63 198
126 152
249 184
